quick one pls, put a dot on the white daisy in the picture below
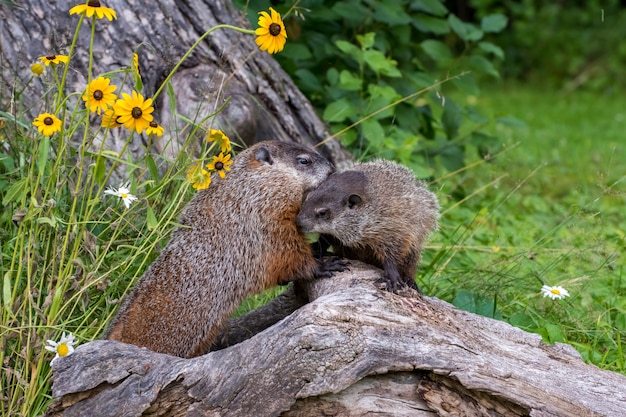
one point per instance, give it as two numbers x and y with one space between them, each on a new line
63 347
554 292
124 193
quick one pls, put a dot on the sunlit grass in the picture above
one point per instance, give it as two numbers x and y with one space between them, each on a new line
552 214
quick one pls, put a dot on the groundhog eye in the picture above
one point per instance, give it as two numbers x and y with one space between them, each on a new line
323 214
304 160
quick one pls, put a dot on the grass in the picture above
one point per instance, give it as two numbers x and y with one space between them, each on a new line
553 215
547 210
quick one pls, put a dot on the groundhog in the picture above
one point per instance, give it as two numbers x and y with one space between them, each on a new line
237 238
376 212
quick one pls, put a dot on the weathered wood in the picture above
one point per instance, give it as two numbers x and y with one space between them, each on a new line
456 363
227 67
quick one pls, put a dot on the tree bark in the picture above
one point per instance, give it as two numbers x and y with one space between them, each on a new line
227 69
354 349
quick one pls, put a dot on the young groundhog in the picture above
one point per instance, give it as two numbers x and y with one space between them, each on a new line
376 212
239 237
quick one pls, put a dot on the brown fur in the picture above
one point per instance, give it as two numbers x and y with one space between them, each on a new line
239 238
375 212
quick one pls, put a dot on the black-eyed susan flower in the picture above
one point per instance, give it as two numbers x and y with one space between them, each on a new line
94 7
220 140
554 292
99 95
47 124
123 193
199 177
220 164
109 119
134 112
54 59
271 35
37 68
136 65
63 347
154 129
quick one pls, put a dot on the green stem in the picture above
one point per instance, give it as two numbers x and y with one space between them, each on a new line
194 46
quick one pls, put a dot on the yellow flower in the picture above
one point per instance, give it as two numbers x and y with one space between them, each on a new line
47 124
37 68
54 59
99 95
200 178
94 6
220 139
271 36
134 112
220 164
154 129
136 65
109 119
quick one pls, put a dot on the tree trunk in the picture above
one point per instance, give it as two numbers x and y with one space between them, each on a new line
353 350
227 68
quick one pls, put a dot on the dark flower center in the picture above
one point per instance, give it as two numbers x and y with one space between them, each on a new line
48 121
219 166
136 113
274 29
93 3
98 95
51 57
153 124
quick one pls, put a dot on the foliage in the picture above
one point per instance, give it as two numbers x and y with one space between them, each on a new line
377 73
71 247
548 210
570 44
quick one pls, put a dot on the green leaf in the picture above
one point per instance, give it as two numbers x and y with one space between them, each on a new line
350 49
512 122
373 132
480 64
349 81
466 31
100 171
332 76
154 172
298 51
381 96
15 192
453 157
52 221
451 119
391 13
494 23
42 154
434 7
367 40
380 63
492 49
151 219
172 96
486 145
437 50
339 110
426 23
308 80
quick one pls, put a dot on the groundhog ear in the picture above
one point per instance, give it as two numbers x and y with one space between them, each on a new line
354 200
263 155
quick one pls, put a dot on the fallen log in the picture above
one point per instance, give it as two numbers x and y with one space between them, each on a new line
353 349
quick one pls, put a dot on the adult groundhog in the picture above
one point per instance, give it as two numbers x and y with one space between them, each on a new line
376 212
239 237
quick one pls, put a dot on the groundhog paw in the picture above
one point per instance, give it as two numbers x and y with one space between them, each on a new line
328 265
